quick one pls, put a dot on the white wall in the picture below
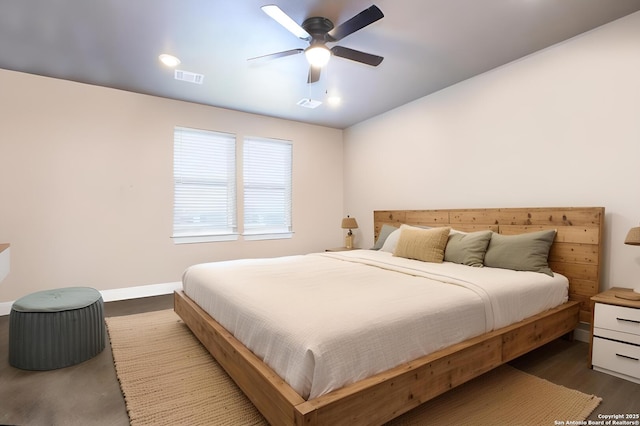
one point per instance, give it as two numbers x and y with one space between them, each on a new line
86 185
558 128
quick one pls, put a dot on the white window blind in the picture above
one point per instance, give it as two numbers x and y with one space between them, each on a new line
267 169
204 164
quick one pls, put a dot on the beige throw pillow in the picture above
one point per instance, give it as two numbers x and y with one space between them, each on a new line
427 245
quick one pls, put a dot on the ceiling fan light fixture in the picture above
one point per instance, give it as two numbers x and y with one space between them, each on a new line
169 60
317 55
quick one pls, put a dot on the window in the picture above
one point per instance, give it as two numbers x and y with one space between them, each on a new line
204 166
267 188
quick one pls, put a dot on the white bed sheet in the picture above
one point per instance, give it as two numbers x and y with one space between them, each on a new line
325 320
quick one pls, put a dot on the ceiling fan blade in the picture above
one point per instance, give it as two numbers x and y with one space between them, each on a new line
314 74
356 55
278 54
283 19
361 20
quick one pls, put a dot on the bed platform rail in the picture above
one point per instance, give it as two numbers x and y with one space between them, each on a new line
382 397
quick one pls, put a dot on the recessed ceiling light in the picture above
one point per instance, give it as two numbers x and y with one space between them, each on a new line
169 60
334 100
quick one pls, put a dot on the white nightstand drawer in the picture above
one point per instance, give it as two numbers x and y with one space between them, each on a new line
605 333
617 357
617 318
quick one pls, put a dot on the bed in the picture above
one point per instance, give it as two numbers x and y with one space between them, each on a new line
383 394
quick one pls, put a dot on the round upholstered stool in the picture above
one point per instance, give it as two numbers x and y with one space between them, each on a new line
56 328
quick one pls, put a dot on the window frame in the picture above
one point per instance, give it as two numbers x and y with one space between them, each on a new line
283 230
197 177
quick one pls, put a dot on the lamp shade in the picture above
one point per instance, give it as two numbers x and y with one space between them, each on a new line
349 223
633 237
317 55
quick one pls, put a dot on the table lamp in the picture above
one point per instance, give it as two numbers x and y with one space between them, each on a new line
349 223
633 239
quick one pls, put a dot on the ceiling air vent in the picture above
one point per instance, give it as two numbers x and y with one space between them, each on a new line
189 77
309 103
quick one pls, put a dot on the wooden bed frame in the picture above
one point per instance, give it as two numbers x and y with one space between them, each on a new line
575 253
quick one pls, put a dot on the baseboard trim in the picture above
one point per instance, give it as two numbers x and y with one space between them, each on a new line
583 332
121 294
140 291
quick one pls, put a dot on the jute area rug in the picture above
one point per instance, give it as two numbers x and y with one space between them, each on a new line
168 378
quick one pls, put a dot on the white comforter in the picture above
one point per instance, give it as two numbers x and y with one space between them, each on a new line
325 320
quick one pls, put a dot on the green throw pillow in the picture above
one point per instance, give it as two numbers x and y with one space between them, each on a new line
523 252
467 249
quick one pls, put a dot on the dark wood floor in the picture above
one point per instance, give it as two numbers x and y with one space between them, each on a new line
89 393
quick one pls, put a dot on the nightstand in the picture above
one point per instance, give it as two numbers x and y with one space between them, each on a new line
342 249
615 341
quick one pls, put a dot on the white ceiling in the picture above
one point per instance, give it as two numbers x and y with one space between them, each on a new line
427 45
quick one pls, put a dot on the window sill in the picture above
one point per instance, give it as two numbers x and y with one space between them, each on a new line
204 238
268 236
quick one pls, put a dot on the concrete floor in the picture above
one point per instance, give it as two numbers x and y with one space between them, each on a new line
84 394
89 393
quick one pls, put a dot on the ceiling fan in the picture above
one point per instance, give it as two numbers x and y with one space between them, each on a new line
318 31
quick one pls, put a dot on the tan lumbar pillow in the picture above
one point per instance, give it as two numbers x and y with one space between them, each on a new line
427 245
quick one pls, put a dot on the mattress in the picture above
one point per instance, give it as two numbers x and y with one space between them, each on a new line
324 320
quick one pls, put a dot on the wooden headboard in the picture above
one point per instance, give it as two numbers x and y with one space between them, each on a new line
575 253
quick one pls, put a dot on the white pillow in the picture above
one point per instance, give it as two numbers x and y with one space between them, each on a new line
455 231
391 241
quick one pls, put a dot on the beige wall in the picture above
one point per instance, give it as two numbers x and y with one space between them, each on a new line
85 172
86 185
558 128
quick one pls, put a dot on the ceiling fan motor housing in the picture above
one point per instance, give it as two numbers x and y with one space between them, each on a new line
318 27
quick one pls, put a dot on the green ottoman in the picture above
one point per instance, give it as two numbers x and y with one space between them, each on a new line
56 328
